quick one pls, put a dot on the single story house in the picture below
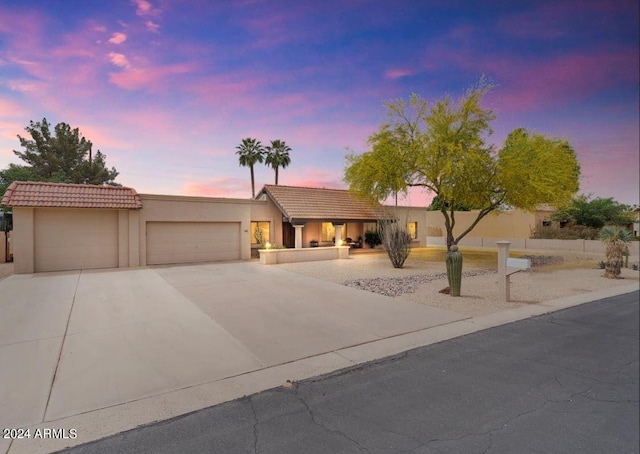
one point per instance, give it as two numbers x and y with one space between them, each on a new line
316 217
69 226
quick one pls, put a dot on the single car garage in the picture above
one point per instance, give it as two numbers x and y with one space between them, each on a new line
60 227
71 239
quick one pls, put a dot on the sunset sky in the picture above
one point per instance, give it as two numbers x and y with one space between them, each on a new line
168 88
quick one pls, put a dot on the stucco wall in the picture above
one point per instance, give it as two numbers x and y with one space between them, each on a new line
414 214
275 256
34 227
508 224
164 208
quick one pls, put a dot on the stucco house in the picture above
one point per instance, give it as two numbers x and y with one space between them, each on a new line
317 216
69 226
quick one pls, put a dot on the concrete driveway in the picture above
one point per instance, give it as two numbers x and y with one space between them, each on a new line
75 342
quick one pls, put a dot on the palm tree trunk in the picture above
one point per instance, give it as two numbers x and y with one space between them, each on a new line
276 175
614 254
253 185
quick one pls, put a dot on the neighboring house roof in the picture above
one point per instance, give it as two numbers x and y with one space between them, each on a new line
62 195
299 204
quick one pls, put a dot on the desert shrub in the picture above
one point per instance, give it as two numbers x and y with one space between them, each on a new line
372 238
396 241
616 240
568 232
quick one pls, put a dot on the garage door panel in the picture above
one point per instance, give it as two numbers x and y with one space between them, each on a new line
191 242
75 239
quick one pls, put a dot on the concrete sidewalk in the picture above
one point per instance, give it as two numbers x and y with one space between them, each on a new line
104 351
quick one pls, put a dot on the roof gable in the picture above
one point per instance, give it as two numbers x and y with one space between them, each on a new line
314 204
62 195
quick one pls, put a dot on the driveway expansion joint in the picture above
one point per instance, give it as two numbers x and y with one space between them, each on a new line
64 337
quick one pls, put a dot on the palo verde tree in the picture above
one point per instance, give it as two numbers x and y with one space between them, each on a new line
62 155
444 149
277 155
250 152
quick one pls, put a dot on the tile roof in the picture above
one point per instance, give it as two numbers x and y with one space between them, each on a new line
62 195
313 204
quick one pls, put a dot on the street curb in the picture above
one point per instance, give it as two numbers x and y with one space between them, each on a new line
105 422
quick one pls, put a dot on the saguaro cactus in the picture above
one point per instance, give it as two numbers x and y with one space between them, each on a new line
454 270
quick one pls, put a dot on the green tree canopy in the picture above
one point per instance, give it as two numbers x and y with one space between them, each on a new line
595 213
63 155
13 173
277 155
436 205
444 149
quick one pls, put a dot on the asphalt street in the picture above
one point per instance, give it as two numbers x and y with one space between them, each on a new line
565 382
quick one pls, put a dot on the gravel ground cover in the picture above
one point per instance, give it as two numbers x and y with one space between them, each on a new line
554 275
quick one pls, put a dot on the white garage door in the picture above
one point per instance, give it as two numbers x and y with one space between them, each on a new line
74 239
191 242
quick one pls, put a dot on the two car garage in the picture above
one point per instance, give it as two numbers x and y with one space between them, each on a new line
189 242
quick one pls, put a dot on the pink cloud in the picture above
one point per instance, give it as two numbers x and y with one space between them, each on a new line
145 8
534 84
152 26
274 27
549 20
25 86
153 77
119 60
102 138
117 38
233 88
311 177
10 108
541 82
397 73
10 128
219 187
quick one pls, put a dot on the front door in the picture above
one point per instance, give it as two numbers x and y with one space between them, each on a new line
288 235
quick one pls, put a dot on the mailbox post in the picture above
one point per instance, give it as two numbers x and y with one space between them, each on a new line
507 267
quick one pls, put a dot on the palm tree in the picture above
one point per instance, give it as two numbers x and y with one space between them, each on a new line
616 239
278 156
250 151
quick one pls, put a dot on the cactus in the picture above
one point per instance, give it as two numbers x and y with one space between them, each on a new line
454 270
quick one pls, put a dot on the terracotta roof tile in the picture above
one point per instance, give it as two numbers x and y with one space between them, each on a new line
61 195
307 204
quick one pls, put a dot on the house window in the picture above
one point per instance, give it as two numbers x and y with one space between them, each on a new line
412 228
260 232
329 232
546 223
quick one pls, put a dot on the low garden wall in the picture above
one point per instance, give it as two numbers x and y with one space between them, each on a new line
275 256
591 246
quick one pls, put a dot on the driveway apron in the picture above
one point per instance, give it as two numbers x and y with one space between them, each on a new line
81 341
